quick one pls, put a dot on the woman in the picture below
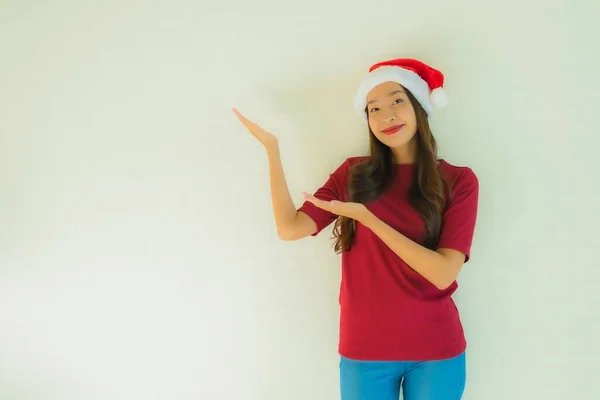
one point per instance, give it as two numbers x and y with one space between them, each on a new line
404 224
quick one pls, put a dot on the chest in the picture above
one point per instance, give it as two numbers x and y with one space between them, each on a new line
394 208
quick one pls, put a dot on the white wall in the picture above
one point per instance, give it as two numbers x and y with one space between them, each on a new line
138 255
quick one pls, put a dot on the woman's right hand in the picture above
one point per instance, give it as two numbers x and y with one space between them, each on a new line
268 140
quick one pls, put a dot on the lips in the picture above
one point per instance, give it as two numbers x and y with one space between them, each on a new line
392 129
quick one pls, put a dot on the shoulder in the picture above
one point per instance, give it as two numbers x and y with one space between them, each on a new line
343 169
458 175
355 160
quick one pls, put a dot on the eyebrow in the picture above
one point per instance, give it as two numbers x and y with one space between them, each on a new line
391 94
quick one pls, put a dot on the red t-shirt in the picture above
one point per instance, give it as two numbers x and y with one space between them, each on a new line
388 311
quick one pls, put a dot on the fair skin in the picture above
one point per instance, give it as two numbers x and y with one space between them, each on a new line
388 105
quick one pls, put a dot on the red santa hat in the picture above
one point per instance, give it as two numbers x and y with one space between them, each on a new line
424 82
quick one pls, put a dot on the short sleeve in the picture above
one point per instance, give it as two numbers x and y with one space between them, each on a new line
333 189
458 223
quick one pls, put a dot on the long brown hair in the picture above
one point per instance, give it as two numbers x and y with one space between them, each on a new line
370 177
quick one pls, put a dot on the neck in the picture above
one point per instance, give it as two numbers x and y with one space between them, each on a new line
406 154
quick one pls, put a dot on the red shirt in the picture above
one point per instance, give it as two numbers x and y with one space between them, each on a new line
388 311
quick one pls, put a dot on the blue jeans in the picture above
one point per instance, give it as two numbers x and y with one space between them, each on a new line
382 380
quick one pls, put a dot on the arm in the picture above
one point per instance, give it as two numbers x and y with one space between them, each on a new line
291 224
440 267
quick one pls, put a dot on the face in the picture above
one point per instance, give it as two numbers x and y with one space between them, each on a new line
388 106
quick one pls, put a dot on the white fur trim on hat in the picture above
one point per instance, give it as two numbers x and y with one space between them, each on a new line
407 78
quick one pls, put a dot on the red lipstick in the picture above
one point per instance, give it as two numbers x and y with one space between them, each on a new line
392 129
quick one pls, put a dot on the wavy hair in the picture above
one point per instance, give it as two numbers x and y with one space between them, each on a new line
369 178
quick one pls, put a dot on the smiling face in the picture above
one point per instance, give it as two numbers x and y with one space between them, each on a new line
391 115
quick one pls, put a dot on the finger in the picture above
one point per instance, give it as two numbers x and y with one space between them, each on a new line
243 119
240 116
317 202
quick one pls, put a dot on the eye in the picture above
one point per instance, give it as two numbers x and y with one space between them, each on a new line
375 108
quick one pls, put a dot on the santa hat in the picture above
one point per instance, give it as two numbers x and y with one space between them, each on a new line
424 82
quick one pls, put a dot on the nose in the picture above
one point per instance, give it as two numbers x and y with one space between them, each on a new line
389 118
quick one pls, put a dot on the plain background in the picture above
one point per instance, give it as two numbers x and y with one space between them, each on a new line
138 253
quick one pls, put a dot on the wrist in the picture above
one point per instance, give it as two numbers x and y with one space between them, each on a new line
272 148
368 218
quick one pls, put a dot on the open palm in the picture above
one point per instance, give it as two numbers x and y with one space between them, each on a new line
356 211
267 139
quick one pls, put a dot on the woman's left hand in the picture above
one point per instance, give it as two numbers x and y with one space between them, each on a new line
356 211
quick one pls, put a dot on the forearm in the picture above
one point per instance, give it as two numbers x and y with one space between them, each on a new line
432 265
284 209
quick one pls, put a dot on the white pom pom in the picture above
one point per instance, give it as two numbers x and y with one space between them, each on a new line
438 98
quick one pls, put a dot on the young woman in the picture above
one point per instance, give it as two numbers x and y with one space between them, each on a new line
404 224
